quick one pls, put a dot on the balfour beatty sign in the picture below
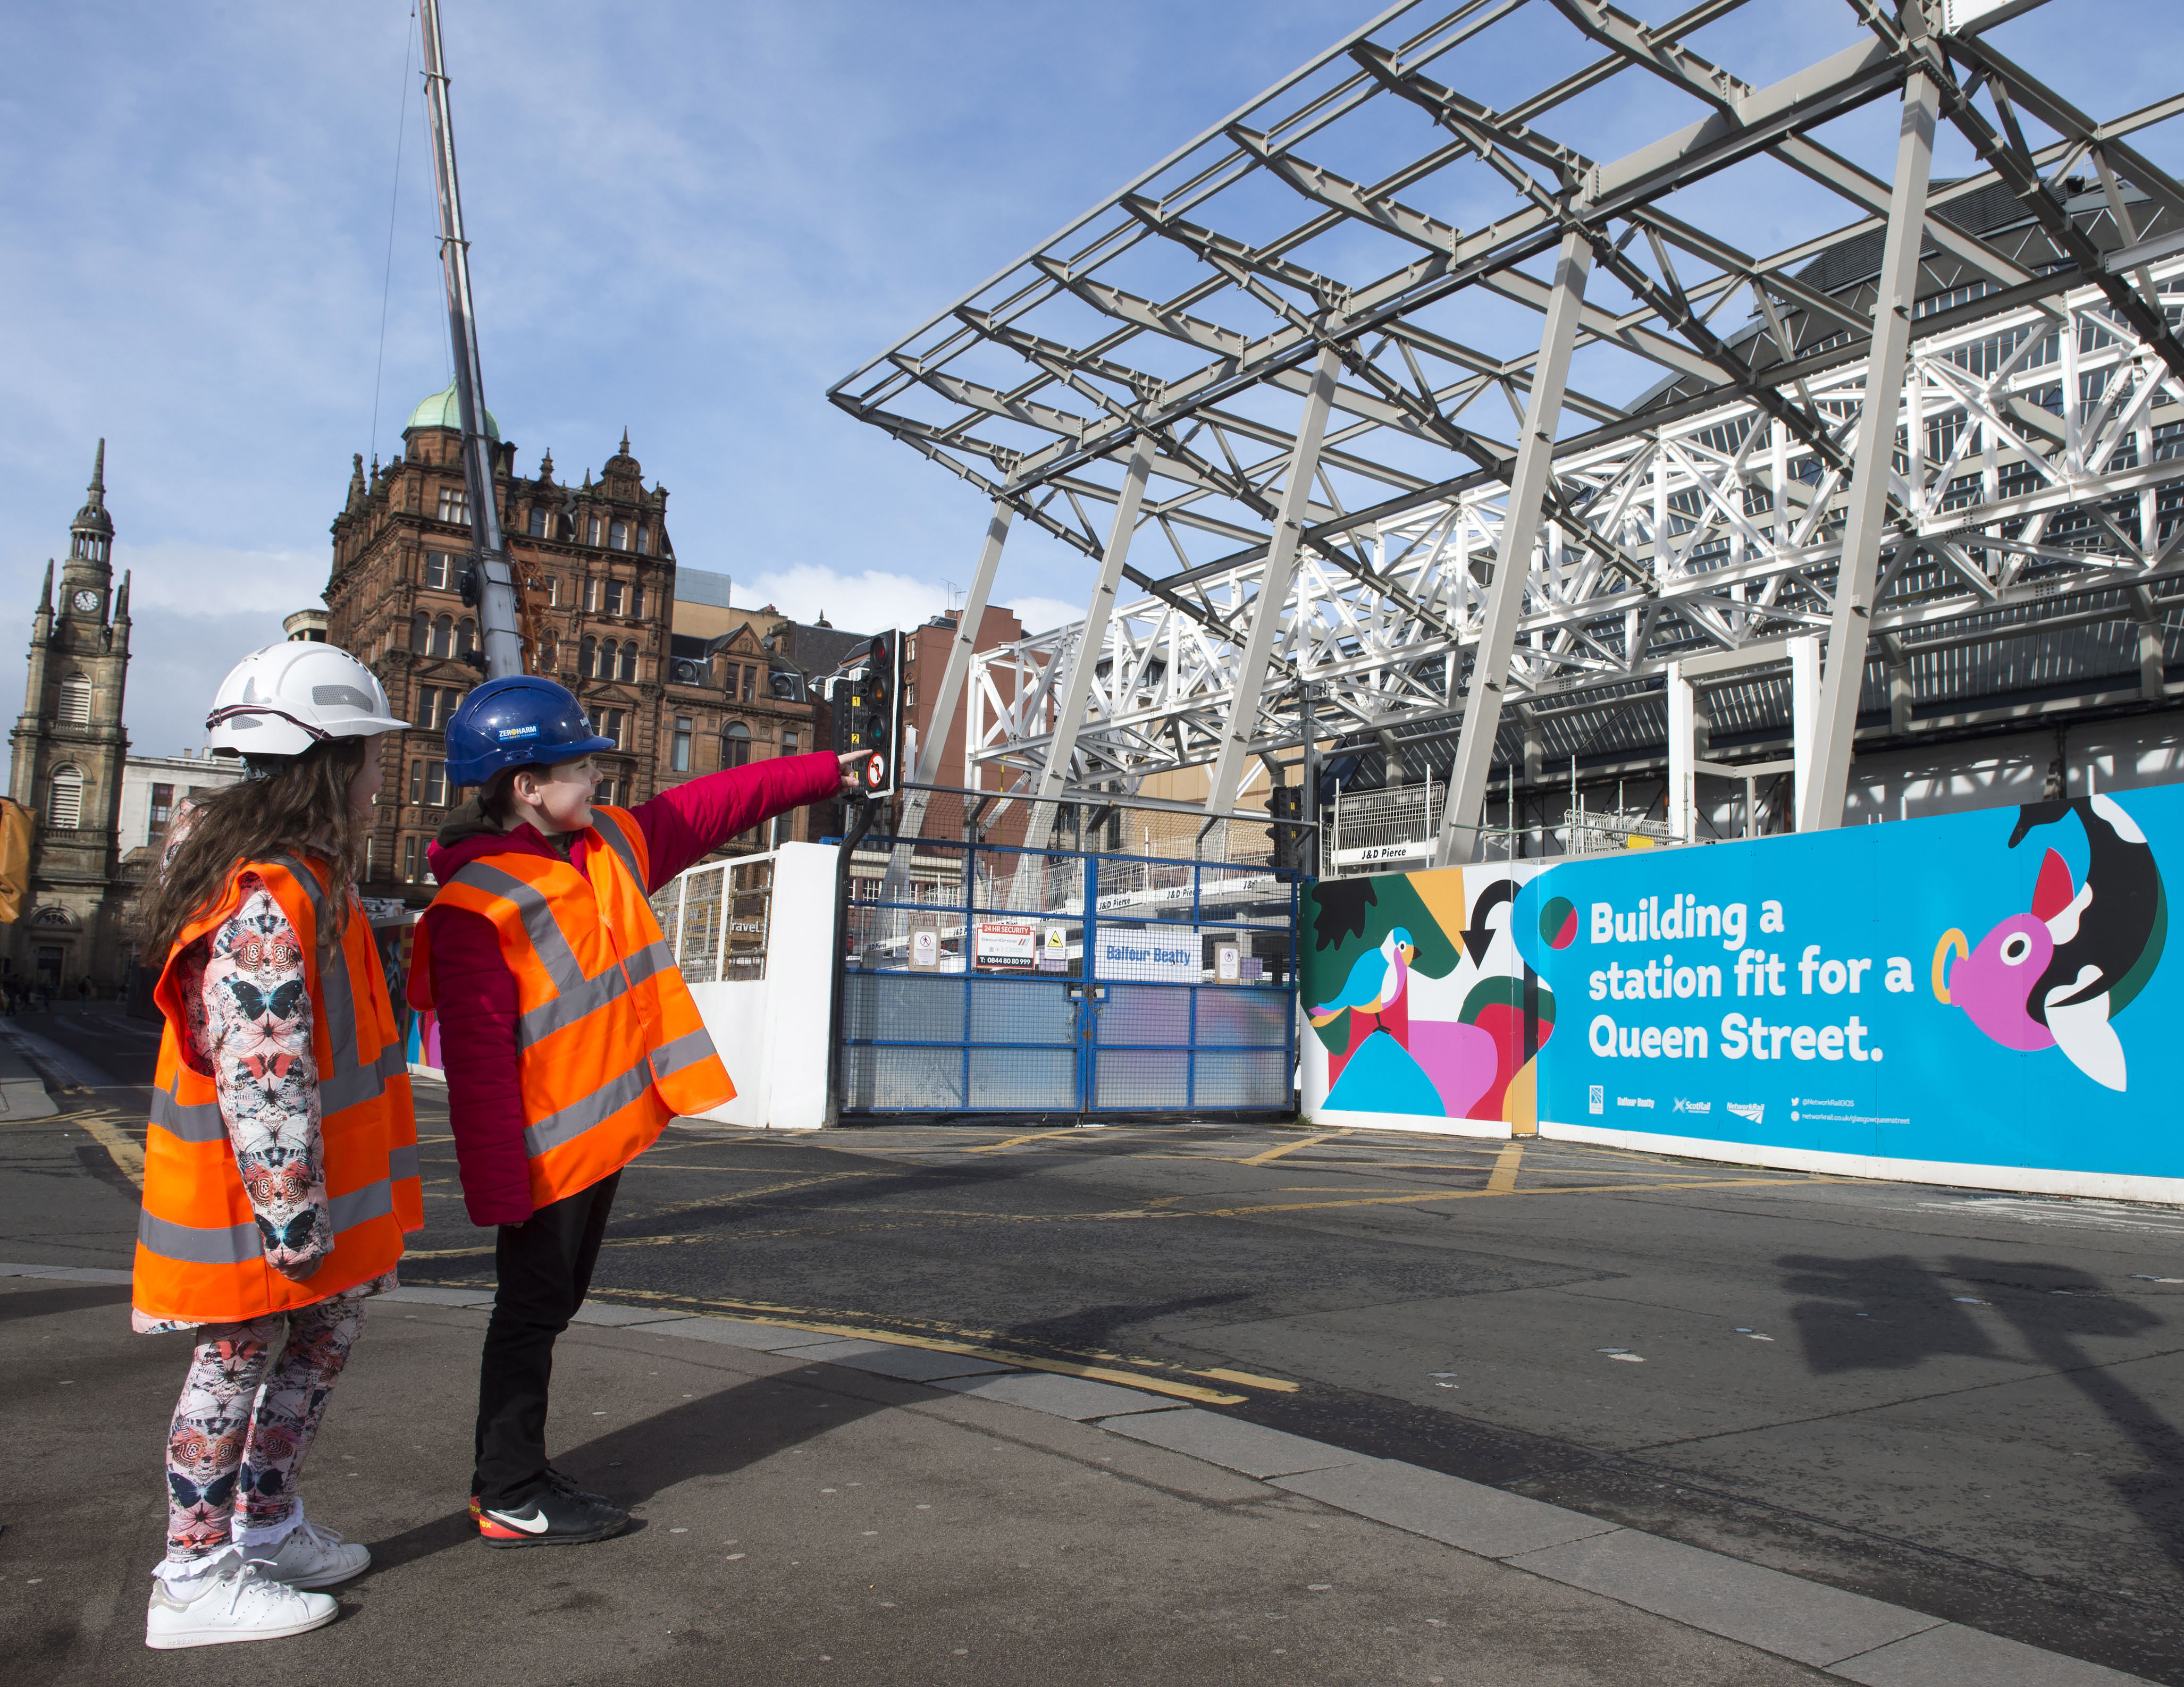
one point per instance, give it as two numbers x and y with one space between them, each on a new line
1159 954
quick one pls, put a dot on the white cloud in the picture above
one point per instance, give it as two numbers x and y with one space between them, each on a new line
871 602
1044 614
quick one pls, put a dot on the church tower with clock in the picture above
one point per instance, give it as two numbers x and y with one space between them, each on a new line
68 749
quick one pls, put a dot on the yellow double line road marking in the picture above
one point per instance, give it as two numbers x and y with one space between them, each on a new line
127 1152
1064 1368
1279 1150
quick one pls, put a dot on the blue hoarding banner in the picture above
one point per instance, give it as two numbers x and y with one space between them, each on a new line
1981 990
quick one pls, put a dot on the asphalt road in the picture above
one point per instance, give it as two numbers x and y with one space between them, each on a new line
1959 1403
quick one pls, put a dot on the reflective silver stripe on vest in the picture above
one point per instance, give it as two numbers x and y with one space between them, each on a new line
348 1081
552 949
618 841
686 1050
201 1121
402 1161
240 1243
595 1109
220 1245
565 1009
361 1206
616 1092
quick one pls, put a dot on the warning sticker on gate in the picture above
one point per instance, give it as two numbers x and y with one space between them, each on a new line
1004 944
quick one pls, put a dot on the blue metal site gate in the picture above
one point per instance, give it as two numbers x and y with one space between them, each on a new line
984 979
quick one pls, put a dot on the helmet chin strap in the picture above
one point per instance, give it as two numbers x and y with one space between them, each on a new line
318 734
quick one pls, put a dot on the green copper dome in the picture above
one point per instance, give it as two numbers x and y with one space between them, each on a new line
444 410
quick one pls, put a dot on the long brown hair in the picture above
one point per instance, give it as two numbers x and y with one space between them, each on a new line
303 806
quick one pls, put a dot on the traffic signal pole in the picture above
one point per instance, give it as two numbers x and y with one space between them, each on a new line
496 580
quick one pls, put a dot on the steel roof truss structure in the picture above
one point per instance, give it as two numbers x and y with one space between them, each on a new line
1323 412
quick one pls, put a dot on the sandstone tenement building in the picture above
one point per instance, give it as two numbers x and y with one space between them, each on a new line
595 571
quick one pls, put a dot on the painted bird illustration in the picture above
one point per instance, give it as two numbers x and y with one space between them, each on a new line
1374 982
2056 976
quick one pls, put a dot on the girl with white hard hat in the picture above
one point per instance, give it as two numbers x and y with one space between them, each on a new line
280 1162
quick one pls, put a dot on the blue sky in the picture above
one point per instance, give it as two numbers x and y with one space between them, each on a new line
687 219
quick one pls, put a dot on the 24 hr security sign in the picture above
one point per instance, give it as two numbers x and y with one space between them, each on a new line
1979 988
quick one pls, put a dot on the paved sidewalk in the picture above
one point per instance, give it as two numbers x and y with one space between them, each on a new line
819 1510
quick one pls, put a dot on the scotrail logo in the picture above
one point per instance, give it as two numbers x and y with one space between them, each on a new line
1683 1106
1754 1110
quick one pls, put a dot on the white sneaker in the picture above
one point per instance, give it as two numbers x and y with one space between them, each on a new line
309 1556
236 1603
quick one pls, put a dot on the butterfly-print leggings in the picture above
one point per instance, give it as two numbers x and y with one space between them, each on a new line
249 1407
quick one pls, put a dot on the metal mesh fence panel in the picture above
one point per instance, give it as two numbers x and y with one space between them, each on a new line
1244 1018
1006 955
1241 1077
1024 1080
897 1008
749 913
1022 1010
1136 1080
902 1080
1132 1017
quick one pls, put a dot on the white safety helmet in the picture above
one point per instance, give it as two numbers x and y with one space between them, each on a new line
285 698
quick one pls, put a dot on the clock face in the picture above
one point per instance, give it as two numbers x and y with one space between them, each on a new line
86 602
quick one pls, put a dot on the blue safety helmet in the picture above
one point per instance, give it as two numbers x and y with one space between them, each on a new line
520 721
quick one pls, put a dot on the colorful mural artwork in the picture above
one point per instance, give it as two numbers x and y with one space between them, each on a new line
1816 994
394 937
2056 976
1417 992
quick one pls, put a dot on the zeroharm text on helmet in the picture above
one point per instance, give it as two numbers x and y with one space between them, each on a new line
507 733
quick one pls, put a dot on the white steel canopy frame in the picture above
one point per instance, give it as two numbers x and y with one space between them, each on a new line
1365 220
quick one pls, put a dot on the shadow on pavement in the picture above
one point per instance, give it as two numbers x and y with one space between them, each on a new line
1892 1312
39 1303
1886 1312
717 1434
2077 1306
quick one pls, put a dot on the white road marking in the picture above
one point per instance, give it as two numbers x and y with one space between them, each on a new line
2085 1215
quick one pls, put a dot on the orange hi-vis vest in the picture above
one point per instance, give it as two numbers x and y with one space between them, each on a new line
200 1255
610 1044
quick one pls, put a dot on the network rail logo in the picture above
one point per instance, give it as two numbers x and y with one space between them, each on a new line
1754 1110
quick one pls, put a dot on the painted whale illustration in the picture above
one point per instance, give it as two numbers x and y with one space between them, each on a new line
2057 974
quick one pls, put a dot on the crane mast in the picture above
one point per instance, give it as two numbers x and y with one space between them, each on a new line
495 580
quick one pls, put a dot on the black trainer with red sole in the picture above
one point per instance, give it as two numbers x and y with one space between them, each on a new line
548 1518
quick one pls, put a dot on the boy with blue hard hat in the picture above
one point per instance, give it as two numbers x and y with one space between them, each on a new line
568 1036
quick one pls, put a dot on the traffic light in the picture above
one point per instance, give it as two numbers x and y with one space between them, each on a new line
867 712
1286 803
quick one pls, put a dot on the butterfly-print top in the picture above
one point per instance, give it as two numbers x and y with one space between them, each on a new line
249 1013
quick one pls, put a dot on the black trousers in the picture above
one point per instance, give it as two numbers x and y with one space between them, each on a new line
545 1266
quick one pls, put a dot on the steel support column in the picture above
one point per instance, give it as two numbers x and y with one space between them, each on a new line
1076 686
1513 559
1820 801
960 650
1273 585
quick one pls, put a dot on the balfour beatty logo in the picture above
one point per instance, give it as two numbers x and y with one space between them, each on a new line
508 732
1754 1110
1149 956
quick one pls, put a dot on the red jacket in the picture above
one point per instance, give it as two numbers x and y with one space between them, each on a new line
474 993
